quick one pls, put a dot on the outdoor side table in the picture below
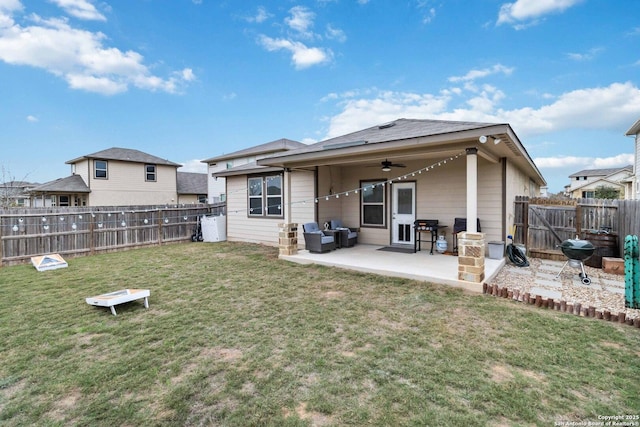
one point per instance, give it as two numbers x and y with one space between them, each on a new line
119 297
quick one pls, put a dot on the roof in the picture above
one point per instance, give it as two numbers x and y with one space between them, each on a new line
282 144
192 183
406 137
125 155
70 184
601 172
245 169
634 129
400 129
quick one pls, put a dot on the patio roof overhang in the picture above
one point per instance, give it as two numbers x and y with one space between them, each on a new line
361 152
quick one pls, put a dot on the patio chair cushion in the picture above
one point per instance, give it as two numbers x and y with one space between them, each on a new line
311 227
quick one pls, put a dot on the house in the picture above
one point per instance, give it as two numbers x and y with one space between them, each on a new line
15 193
585 182
634 131
381 179
244 158
115 176
192 187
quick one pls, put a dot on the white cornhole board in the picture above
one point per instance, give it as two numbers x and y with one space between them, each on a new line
119 297
48 262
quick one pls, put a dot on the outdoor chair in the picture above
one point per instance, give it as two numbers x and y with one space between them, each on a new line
460 224
348 236
315 240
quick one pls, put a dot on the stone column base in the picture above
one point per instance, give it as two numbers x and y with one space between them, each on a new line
471 256
288 239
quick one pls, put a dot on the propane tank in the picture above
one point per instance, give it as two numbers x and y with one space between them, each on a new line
441 244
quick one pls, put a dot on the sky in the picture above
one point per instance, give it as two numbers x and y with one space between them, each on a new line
188 80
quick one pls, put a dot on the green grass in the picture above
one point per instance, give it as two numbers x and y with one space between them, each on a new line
235 337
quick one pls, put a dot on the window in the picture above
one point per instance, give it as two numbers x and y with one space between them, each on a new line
100 169
265 196
150 172
372 204
63 200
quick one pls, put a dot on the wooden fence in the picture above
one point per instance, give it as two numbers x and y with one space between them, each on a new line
542 224
75 231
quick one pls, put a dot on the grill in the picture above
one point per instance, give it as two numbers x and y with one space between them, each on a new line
577 251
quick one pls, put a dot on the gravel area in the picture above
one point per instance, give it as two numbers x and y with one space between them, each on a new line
605 293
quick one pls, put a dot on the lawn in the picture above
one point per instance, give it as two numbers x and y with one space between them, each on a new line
235 337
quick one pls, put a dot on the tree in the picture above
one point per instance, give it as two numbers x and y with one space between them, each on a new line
606 192
10 189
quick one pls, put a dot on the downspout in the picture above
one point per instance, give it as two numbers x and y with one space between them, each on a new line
504 199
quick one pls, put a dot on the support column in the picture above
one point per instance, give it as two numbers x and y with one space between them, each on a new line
288 238
472 190
471 256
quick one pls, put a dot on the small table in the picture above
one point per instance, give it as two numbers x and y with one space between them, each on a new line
433 229
119 297
336 237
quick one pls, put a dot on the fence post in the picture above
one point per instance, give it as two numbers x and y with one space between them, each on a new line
160 231
1 244
578 219
92 235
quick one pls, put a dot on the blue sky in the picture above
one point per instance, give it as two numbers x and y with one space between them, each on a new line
191 79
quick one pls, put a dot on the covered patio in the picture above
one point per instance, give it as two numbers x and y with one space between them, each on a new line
436 268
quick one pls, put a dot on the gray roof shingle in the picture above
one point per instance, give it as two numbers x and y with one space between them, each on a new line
278 145
192 183
125 155
70 184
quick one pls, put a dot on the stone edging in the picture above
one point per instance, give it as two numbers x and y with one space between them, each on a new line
563 306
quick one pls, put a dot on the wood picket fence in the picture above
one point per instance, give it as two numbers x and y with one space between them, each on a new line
76 231
542 223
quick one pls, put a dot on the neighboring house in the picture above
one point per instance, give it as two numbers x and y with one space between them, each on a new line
116 176
244 158
15 193
635 132
192 187
451 169
585 182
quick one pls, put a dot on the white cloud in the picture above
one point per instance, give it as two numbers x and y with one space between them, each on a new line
478 74
609 107
78 56
32 119
260 16
584 162
301 20
528 11
81 9
194 165
587 56
335 34
302 56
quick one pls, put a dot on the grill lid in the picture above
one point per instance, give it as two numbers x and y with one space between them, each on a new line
577 249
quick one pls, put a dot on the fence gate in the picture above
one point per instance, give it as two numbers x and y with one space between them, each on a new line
542 224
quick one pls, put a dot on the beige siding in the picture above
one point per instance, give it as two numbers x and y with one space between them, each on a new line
188 199
303 205
241 227
83 169
126 185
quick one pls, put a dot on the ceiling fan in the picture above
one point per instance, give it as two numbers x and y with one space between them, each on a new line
387 165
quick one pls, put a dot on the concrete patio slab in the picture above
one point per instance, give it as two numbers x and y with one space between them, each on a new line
436 268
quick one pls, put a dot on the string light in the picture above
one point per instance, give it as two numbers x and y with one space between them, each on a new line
80 224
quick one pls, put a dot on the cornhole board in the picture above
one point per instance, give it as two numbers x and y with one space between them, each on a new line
119 297
48 262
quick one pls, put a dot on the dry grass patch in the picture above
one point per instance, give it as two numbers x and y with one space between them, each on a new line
219 346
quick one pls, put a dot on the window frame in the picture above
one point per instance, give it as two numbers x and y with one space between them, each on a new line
147 173
364 185
96 169
266 200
